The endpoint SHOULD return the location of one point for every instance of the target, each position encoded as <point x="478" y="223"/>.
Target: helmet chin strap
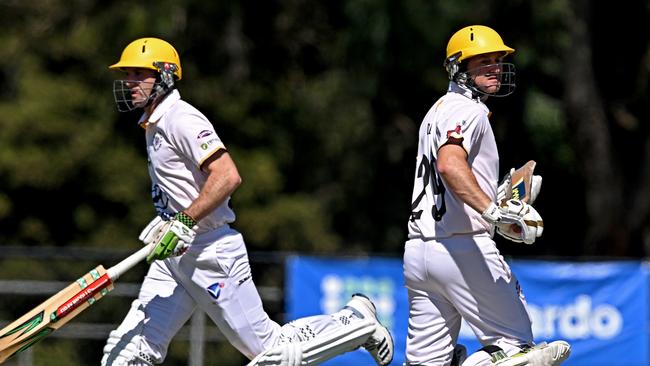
<point x="164" y="81"/>
<point x="465" y="81"/>
<point x="157" y="93"/>
<point x="452" y="65"/>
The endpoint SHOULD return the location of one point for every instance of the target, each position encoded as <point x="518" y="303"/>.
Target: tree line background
<point x="319" y="104"/>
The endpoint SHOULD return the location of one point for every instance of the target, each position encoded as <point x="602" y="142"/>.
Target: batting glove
<point x="171" y="238"/>
<point x="515" y="220"/>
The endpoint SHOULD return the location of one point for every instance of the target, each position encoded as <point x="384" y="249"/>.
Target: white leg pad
<point x="319" y="349"/>
<point x="123" y="344"/>
<point x="552" y="354"/>
<point x="341" y="340"/>
<point x="125" y="354"/>
<point x="286" y="354"/>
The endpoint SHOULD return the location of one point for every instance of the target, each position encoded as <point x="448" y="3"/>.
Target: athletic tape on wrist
<point x="185" y="219"/>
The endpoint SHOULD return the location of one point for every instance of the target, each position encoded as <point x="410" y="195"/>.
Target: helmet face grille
<point x="505" y="76"/>
<point x="122" y="94"/>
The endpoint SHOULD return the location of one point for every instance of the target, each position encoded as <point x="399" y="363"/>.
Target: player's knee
<point x="286" y="354"/>
<point x="296" y="331"/>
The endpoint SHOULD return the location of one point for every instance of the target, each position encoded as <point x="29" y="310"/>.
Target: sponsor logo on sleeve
<point x="209" y="143"/>
<point x="204" y="133"/>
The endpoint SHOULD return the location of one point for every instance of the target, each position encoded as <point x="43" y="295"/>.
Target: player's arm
<point x="223" y="179"/>
<point x="516" y="220"/>
<point x="175" y="236"/>
<point x="457" y="174"/>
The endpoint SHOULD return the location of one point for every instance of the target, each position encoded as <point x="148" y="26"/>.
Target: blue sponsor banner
<point x="324" y="286"/>
<point x="600" y="308"/>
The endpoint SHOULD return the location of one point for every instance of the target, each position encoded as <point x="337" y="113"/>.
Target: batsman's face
<point x="140" y="82"/>
<point x="485" y="70"/>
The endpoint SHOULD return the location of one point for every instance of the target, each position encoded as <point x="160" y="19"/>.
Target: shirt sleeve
<point x="464" y="131"/>
<point x="195" y="138"/>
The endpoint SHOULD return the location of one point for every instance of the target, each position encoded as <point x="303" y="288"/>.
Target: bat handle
<point x="117" y="270"/>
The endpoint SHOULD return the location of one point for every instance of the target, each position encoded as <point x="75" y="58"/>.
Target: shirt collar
<point x="454" y="87"/>
<point x="161" y="108"/>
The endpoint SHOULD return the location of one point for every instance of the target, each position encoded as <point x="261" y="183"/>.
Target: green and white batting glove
<point x="171" y="238"/>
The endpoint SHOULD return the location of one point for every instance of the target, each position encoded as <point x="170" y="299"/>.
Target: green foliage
<point x="545" y="116"/>
<point x="57" y="353"/>
<point x="319" y="104"/>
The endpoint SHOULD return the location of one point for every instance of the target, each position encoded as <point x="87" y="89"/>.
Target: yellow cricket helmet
<point x="150" y="53"/>
<point x="475" y="40"/>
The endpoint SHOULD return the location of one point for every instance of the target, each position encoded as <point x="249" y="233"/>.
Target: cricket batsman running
<point x="198" y="259"/>
<point x="452" y="267"/>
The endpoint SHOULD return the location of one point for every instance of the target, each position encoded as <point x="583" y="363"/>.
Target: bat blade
<point x="521" y="182"/>
<point x="59" y="309"/>
<point x="54" y="312"/>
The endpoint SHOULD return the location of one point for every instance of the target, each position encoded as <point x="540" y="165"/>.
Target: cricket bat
<point x="522" y="182"/>
<point x="59" y="309"/>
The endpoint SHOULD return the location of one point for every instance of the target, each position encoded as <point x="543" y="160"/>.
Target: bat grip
<point x="117" y="270"/>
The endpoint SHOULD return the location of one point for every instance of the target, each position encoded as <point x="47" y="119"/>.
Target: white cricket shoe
<point x="380" y="343"/>
<point x="543" y="354"/>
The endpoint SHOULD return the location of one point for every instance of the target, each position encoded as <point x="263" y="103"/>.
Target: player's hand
<point x="171" y="238"/>
<point x="515" y="220"/>
<point x="152" y="229"/>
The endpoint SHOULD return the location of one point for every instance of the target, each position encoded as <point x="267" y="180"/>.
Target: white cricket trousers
<point x="214" y="274"/>
<point x="461" y="276"/>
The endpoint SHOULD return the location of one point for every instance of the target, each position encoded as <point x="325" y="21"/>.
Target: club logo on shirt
<point x="157" y="141"/>
<point x="455" y="136"/>
<point x="204" y="133"/>
<point x="214" y="290"/>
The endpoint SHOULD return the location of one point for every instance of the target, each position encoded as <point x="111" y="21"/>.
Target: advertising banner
<point x="324" y="285"/>
<point x="600" y="308"/>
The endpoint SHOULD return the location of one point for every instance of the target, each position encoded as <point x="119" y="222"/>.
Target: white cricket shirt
<point x="179" y="139"/>
<point x="436" y="212"/>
